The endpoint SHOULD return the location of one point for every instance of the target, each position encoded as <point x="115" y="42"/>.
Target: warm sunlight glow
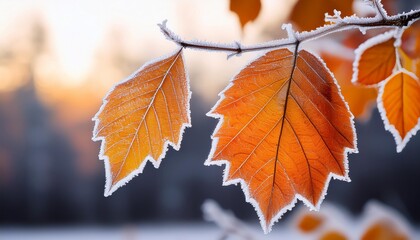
<point x="80" y="36"/>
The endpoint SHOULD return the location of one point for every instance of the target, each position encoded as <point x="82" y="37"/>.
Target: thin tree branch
<point x="379" y="8"/>
<point x="381" y="20"/>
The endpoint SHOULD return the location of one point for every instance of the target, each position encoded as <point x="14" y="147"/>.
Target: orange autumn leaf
<point x="247" y="10"/>
<point x="359" y="98"/>
<point x="384" y="230"/>
<point x="399" y="104"/>
<point x="140" y="117"/>
<point x="310" y="222"/>
<point x="375" y="60"/>
<point x="284" y="130"/>
<point x="307" y="15"/>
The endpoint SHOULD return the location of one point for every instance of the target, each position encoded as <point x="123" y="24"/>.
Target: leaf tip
<point x="110" y="186"/>
<point x="107" y="193"/>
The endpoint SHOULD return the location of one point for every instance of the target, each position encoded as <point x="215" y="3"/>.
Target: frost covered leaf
<point x="310" y="14"/>
<point x="140" y="117"/>
<point x="399" y="104"/>
<point x="375" y="60"/>
<point x="284" y="130"/>
<point x="247" y="10"/>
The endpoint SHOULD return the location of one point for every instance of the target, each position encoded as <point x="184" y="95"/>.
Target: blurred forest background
<point x="59" y="58"/>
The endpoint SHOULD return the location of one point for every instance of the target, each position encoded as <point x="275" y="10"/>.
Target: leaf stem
<point x="339" y="24"/>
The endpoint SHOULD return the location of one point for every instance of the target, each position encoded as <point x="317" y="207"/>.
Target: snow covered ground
<point x="145" y="232"/>
<point x="222" y="224"/>
<point x="192" y="231"/>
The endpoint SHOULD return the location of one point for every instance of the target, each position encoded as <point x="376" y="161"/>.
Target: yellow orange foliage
<point x="140" y="116"/>
<point x="284" y="130"/>
<point x="284" y="126"/>
<point x="400" y="106"/>
<point x="375" y="63"/>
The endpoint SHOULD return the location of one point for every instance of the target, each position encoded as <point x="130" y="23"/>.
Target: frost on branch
<point x="171" y="36"/>
<point x="336" y="18"/>
<point x="379" y="8"/>
<point x="200" y="45"/>
<point x="290" y="33"/>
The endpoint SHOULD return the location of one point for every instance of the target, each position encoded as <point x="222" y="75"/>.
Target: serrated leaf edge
<point x="267" y="227"/>
<point x="109" y="189"/>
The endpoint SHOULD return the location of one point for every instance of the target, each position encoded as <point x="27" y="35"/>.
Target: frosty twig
<point x="381" y="20"/>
